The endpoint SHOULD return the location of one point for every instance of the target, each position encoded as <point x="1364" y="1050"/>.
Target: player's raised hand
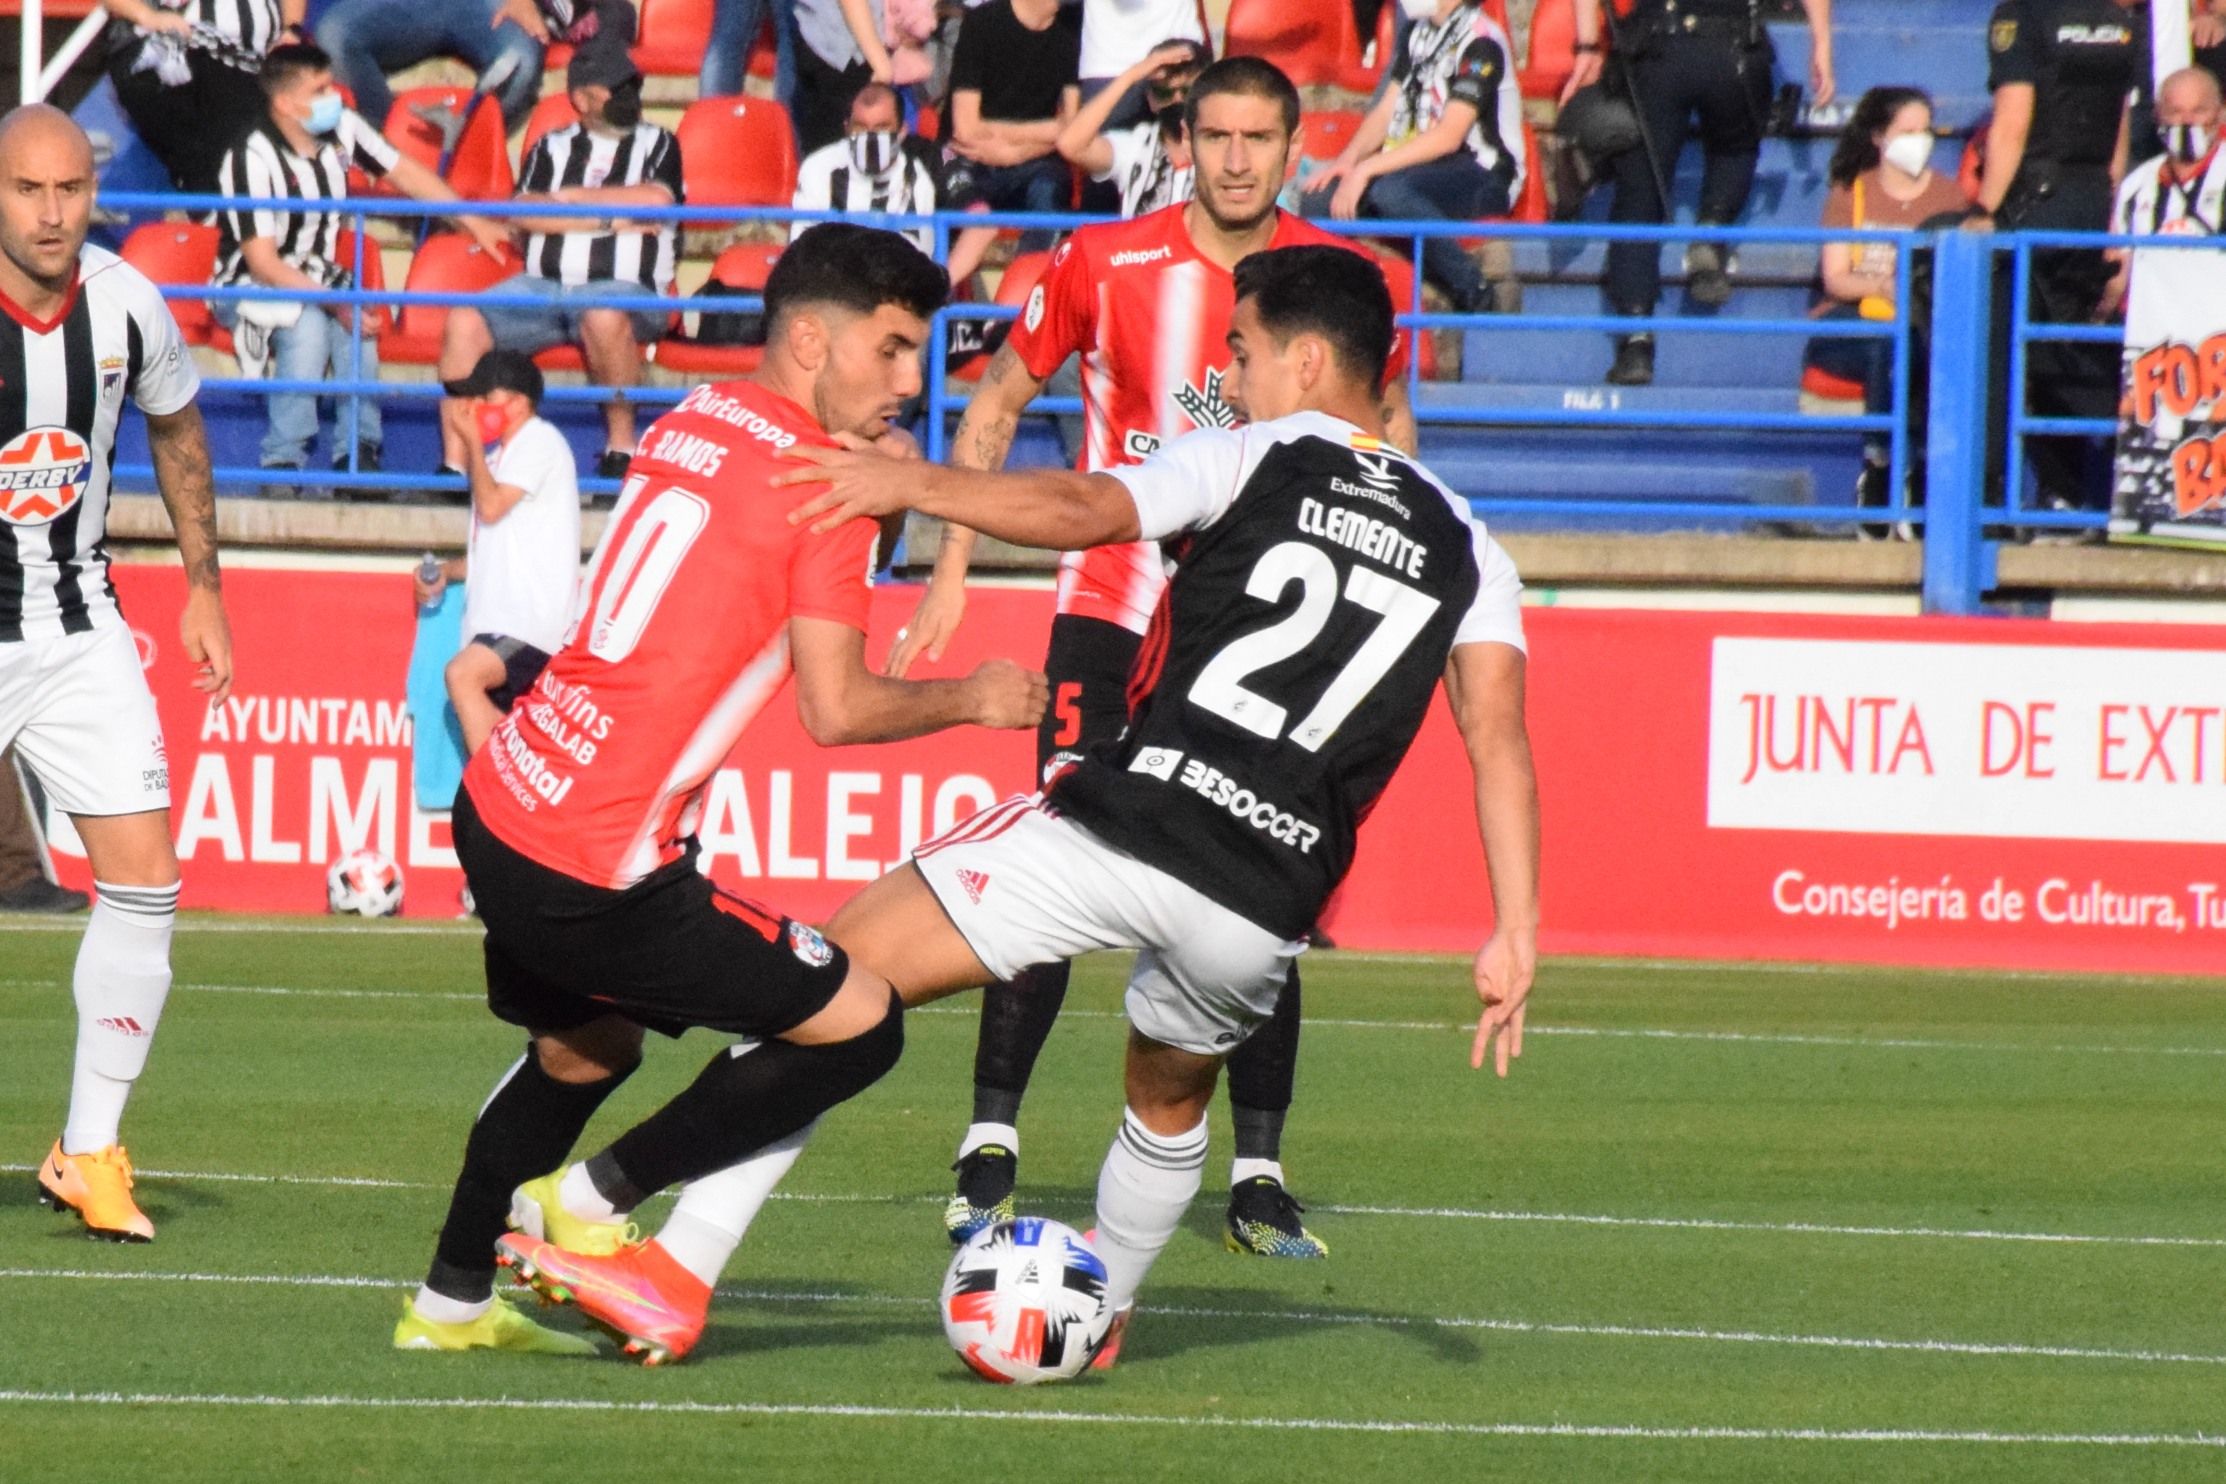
<point x="869" y="484"/>
<point x="207" y="637"/>
<point x="1008" y="695"/>
<point x="1504" y="969"/>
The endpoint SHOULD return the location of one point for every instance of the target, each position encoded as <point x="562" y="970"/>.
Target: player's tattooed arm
<point x="180" y="447"/>
<point x="1484" y="685"/>
<point x="985" y="438"/>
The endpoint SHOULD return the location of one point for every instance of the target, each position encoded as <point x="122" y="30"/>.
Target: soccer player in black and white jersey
<point x="84" y="334"/>
<point x="1324" y="585"/>
<point x="612" y="159"/>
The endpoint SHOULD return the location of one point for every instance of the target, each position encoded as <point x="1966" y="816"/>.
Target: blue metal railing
<point x="1959" y="522"/>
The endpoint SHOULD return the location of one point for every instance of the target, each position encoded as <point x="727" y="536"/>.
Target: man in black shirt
<point x="2061" y="72"/>
<point x="1324" y="585"/>
<point x="1013" y="89"/>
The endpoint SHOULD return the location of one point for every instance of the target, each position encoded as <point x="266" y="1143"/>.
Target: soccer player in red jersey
<point x="576" y="822"/>
<point x="1146" y="305"/>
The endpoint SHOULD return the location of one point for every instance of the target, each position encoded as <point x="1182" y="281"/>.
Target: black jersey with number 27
<point x="1321" y="580"/>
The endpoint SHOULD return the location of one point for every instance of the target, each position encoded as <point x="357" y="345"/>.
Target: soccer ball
<point x="1024" y="1301"/>
<point x="363" y="883"/>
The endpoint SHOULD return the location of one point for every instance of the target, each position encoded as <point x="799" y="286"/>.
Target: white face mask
<point x="2189" y="142"/>
<point x="1911" y="154"/>
<point x="1418" y="10"/>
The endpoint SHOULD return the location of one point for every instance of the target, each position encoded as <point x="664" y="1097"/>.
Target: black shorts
<point x="669" y="952"/>
<point x="1088" y="666"/>
<point x="522" y="665"/>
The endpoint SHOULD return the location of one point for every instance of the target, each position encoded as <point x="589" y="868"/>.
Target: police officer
<point x="1679" y="59"/>
<point x="2061" y="72"/>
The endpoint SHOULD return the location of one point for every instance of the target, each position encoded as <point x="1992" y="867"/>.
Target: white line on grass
<point x="1437" y="1213"/>
<point x="1633" y="1432"/>
<point x="1985" y="1349"/>
<point x="1631" y="1033"/>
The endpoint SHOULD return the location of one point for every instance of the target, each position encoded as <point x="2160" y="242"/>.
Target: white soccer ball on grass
<point x="1024" y="1301"/>
<point x="363" y="883"/>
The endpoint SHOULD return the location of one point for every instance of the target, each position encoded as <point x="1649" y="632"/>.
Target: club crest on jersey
<point x="43" y="472"/>
<point x="806" y="943"/>
<point x="1204" y="406"/>
<point x="111" y="376"/>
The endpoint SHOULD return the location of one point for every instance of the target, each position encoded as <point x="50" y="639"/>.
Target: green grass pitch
<point x="1724" y="1223"/>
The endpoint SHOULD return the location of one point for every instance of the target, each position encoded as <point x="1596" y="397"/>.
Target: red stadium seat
<point x="481" y="169"/>
<point x="549" y="115"/>
<point x="746" y="265"/>
<point x="673" y="37"/>
<point x="1021" y="276"/>
<point x="928" y="122"/>
<point x="180" y="253"/>
<point x="737" y="152"/>
<point x="1325" y="133"/>
<point x="1818" y="382"/>
<point x="1311" y="40"/>
<point x="374" y="277"/>
<point x="446" y="263"/>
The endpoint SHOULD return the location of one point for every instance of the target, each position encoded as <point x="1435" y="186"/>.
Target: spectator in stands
<point x="2061" y="74"/>
<point x="1117" y="39"/>
<point x="1149" y="160"/>
<point x="522" y="565"/>
<point x="2208" y="33"/>
<point x="1012" y="93"/>
<point x="25" y="885"/>
<point x="878" y="166"/>
<point x="188" y="82"/>
<point x="301" y="151"/>
<point x="1679" y="59"/>
<point x="370" y="38"/>
<point x="2181" y="192"/>
<point x="1443" y="143"/>
<point x="841" y="52"/>
<point x="735" y="25"/>
<point x="1882" y="177"/>
<point x="610" y="159"/>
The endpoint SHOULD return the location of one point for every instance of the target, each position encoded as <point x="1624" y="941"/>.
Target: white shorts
<point x="1027" y="887"/>
<point x="78" y="711"/>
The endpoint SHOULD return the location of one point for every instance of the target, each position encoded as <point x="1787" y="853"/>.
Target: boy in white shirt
<point x="523" y="561"/>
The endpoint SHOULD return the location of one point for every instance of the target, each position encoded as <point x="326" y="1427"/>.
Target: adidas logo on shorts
<point x="975" y="882"/>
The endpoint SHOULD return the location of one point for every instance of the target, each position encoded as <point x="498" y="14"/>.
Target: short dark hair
<point x="1333" y="292"/>
<point x="283" y="64"/>
<point x="1247" y="77"/>
<point x="857" y="268"/>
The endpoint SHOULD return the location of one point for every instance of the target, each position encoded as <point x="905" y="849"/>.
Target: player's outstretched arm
<point x="842" y="701"/>
<point x="1055" y="509"/>
<point x="1484" y="684"/>
<point x="180" y="447"/>
<point x="985" y="438"/>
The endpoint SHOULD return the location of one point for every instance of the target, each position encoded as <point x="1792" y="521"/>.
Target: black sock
<point x="525" y="1130"/>
<point x="740" y="1104"/>
<point x="1262" y="1072"/>
<point x="1016" y="1021"/>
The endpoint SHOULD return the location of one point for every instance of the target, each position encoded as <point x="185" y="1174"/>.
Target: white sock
<point x="714" y="1212"/>
<point x="978" y="1134"/>
<point x="122" y="978"/>
<point x="579" y="1196"/>
<point x="1144" y="1188"/>
<point x="1241" y="1170"/>
<point x="439" y="1308"/>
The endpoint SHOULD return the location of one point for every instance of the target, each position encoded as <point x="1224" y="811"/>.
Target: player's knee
<point x="852" y="1066"/>
<point x="604" y="1048"/>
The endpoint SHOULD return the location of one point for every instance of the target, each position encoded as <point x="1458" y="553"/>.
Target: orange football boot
<point x="97" y="1186"/>
<point x="655" y="1307"/>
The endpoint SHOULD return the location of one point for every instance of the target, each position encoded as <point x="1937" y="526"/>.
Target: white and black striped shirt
<point x="254" y="24"/>
<point x="63" y="384"/>
<point x="829" y="180"/>
<point x="577" y="156"/>
<point x="264" y="166"/>
<point x="1148" y="177"/>
<point x="2190" y="204"/>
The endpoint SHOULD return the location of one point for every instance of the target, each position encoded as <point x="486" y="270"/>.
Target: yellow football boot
<point x="502" y="1327"/>
<point x="538" y="1211"/>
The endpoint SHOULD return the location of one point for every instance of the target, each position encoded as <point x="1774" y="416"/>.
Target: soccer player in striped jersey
<point x="1146" y="305"/>
<point x="85" y="334"/>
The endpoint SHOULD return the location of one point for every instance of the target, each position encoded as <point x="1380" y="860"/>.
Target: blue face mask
<point x="324" y="113"/>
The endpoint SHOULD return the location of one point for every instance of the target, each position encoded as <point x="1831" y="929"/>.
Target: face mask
<point x="2190" y="142"/>
<point x="494" y="423"/>
<point x="324" y="113"/>
<point x="1911" y="154"/>
<point x="623" y="110"/>
<point x="1418" y="10"/>
<point x="874" y="152"/>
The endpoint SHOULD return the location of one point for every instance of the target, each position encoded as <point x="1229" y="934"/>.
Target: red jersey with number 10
<point x="680" y="639"/>
<point x="1149" y="315"/>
